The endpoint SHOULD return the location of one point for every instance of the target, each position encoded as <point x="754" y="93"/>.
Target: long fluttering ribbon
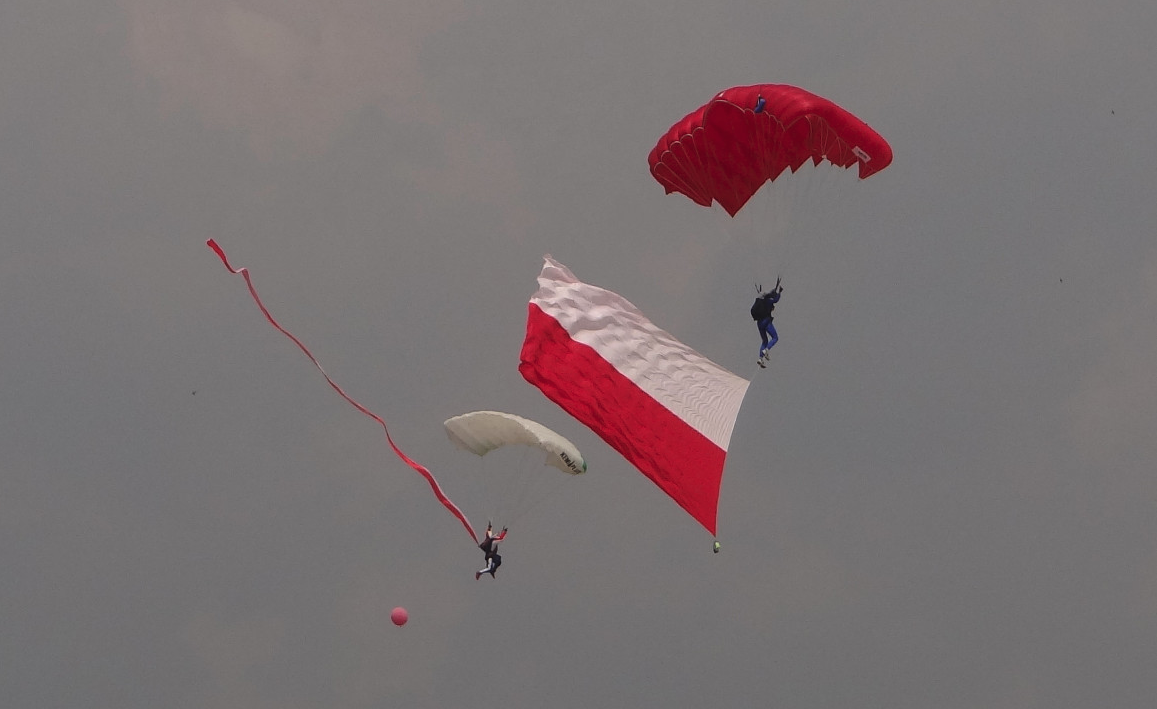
<point x="418" y="467"/>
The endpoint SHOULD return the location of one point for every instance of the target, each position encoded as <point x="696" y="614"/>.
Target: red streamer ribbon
<point x="421" y="469"/>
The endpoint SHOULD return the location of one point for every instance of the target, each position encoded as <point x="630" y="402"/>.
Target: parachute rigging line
<point x="418" y="467"/>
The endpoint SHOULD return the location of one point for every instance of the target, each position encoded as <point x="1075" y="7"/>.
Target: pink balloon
<point x="399" y="616"/>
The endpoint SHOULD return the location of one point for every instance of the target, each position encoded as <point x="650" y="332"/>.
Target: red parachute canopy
<point x="725" y="151"/>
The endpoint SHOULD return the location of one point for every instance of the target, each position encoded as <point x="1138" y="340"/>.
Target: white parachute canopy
<point x="483" y="431"/>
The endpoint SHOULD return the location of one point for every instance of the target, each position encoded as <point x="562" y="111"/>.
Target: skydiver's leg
<point x="488" y="569"/>
<point x="763" y="325"/>
<point x="773" y="334"/>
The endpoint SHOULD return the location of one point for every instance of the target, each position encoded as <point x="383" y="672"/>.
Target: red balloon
<point x="399" y="616"/>
<point x="725" y="150"/>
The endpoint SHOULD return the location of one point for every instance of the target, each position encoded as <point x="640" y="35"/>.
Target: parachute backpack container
<point x="666" y="408"/>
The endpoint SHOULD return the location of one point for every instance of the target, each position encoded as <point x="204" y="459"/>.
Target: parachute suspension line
<point x="417" y="467"/>
<point x="511" y="494"/>
<point x="783" y="220"/>
<point x="761" y="233"/>
<point x="509" y="483"/>
<point x="824" y="189"/>
<point x="535" y="484"/>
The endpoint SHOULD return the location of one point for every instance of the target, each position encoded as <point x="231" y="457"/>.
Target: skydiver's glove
<point x="504" y="530"/>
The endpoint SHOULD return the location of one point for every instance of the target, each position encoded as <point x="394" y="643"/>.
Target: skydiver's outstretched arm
<point x="491" y="536"/>
<point x="774" y="294"/>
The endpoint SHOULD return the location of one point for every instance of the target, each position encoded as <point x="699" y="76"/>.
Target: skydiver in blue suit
<point x="761" y="313"/>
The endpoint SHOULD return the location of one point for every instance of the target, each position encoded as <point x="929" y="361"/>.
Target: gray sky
<point x="941" y="494"/>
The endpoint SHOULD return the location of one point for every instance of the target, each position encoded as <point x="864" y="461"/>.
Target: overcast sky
<point x="941" y="493"/>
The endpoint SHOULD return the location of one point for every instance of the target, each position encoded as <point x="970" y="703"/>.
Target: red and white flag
<point x="666" y="408"/>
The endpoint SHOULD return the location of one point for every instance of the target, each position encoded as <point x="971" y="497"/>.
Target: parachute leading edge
<point x="666" y="408"/>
